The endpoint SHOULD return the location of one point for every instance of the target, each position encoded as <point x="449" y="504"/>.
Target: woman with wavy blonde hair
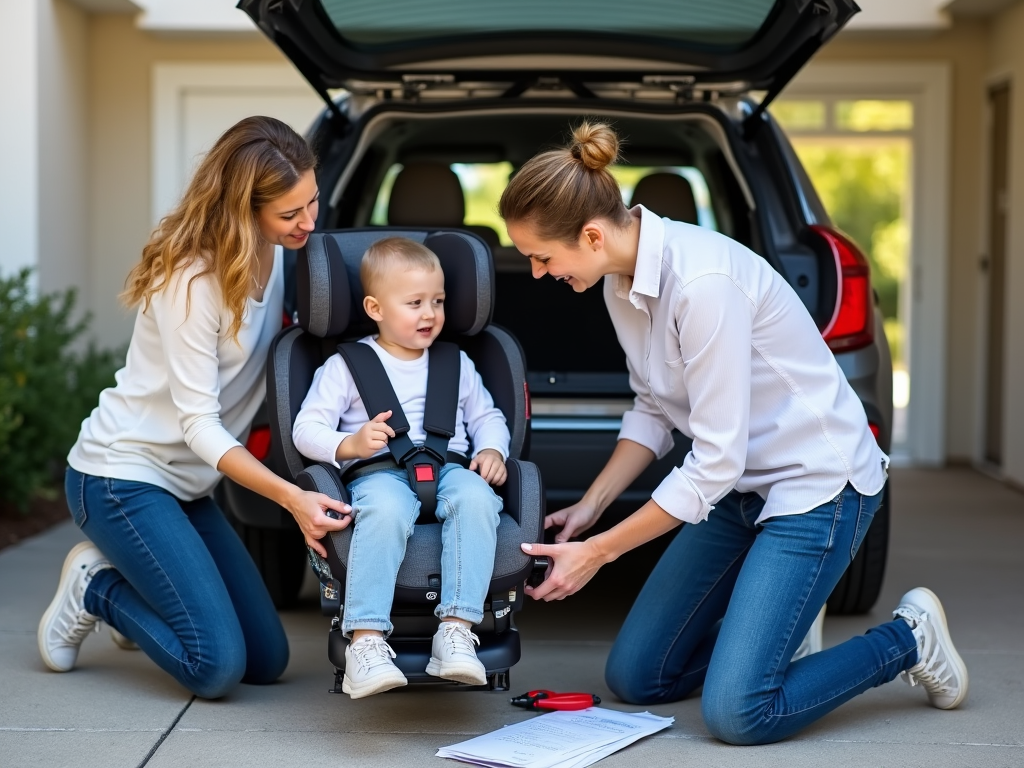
<point x="162" y="566"/>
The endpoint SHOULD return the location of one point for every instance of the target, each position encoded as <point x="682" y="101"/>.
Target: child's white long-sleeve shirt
<point x="333" y="409"/>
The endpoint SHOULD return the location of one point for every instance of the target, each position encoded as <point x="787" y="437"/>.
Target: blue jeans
<point x="183" y="585"/>
<point x="727" y="606"/>
<point x="386" y="509"/>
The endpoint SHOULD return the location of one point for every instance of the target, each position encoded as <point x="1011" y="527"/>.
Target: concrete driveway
<point x="954" y="530"/>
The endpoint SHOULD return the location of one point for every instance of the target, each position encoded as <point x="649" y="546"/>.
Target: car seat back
<point x="431" y="195"/>
<point x="668" y="195"/>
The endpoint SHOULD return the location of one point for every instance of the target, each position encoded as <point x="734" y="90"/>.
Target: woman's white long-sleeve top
<point x="188" y="392"/>
<point x="720" y="347"/>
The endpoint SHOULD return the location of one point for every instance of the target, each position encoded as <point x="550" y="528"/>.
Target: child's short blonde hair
<point x="386" y="255"/>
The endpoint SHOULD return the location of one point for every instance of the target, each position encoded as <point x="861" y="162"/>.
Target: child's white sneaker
<point x="939" y="670"/>
<point x="812" y="642"/>
<point x="66" y="623"/>
<point x="369" y="668"/>
<point x="453" y="655"/>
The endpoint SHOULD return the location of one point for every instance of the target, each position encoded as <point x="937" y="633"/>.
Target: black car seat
<point x="330" y="311"/>
<point x="667" y="194"/>
<point x="430" y="195"/>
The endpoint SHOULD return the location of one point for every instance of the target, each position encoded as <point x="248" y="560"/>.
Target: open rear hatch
<point x="729" y="46"/>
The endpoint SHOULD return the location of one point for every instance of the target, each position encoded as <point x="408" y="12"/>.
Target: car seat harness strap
<point x="422" y="461"/>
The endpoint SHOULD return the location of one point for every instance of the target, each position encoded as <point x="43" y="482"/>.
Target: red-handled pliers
<point x="552" y="700"/>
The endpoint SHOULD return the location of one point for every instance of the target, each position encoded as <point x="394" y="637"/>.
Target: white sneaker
<point x="369" y="668"/>
<point x="812" y="642"/>
<point x="123" y="642"/>
<point x="453" y="655"/>
<point x="66" y="623"/>
<point x="939" y="670"/>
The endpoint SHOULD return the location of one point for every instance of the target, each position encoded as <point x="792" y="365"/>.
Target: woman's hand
<point x="572" y="566"/>
<point x="371" y="438"/>
<point x="575" y="563"/>
<point x="310" y="512"/>
<point x="490" y="465"/>
<point x="573" y="520"/>
<point x="307" y="508"/>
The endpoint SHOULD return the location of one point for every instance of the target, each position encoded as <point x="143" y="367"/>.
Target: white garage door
<point x="194" y="104"/>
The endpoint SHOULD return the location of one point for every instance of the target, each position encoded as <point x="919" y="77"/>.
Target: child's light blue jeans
<point x="386" y="509"/>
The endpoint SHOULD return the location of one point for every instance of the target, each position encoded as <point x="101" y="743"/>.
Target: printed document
<point x="558" y="739"/>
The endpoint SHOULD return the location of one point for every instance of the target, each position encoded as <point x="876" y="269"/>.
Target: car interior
<point x="417" y="157"/>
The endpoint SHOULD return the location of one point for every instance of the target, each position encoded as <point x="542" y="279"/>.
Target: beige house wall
<point x="64" y="224"/>
<point x="1006" y="59"/>
<point x="121" y="63"/>
<point x="966" y="48"/>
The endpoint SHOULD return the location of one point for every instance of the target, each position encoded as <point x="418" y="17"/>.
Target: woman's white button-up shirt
<point x="719" y="346"/>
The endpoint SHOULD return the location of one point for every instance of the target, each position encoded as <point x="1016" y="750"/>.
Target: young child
<point x="404" y="289"/>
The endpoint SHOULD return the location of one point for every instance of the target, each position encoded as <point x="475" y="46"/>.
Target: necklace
<point x="260" y="287"/>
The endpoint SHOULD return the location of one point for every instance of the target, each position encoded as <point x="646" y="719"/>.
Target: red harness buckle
<point x="424" y="473"/>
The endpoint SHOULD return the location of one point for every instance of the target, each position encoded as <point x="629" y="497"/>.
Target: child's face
<point x="408" y="308"/>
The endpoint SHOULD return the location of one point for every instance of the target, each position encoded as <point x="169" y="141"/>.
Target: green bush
<point x="46" y="387"/>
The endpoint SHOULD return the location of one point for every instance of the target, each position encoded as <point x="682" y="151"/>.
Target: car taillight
<point x="286" y="319"/>
<point x="258" y="443"/>
<point x="875" y="429"/>
<point x="852" y="323"/>
<point x="526" y="391"/>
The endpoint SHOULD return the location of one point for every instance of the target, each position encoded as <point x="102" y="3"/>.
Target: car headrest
<point x="667" y="194"/>
<point x="426" y="195"/>
<point x="330" y="294"/>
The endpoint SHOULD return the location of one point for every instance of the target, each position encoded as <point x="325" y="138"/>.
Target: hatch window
<point x="376" y="23"/>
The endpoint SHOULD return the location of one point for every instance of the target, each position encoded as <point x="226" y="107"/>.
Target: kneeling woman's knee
<point x="628" y="679"/>
<point x="218" y="668"/>
<point x="267" y="663"/>
<point x="729" y="718"/>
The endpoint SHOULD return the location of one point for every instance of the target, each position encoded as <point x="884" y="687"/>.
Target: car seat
<point x="330" y="310"/>
<point x="668" y="195"/>
<point x="430" y="195"/>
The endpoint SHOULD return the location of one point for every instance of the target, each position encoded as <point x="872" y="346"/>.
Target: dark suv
<point x="423" y="98"/>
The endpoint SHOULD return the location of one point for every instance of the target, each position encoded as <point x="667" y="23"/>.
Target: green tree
<point x="864" y="186"/>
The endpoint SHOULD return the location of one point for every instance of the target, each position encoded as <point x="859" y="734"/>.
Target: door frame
<point x="171" y="83"/>
<point x="978" y="454"/>
<point x="928" y="85"/>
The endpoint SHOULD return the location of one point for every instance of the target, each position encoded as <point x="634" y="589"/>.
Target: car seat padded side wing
<point x="294" y="358"/>
<point x="501" y="364"/>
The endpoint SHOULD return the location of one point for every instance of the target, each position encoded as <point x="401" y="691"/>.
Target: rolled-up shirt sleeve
<point x="188" y="318"/>
<point x="315" y="432"/>
<point x="714" y="320"/>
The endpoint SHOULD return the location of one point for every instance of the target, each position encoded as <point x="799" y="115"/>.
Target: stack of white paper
<point x="559" y="739"/>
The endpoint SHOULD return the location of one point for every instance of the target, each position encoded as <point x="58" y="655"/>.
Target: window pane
<point x="381" y="22"/>
<point x="799" y="115"/>
<point x="482" y="185"/>
<point x="874" y="115"/>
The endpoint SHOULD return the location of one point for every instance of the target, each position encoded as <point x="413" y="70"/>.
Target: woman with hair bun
<point x="163" y="567"/>
<point x="779" y="488"/>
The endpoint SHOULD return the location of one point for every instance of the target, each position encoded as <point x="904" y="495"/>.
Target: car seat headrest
<point x="330" y="294"/>
<point x="667" y="194"/>
<point x="426" y="195"/>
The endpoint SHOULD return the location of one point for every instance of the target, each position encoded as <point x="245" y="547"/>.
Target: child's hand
<point x="371" y="438"/>
<point x="490" y="465"/>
